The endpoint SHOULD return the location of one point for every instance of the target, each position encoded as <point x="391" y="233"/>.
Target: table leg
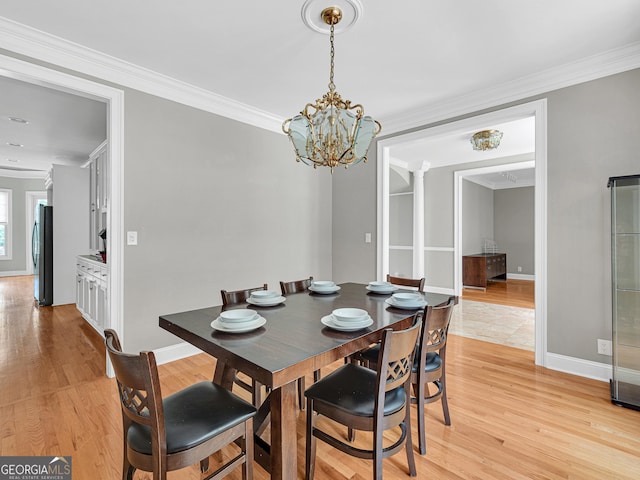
<point x="224" y="375"/>
<point x="283" y="432"/>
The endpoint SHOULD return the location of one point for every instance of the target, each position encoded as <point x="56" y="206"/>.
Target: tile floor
<point x="512" y="326"/>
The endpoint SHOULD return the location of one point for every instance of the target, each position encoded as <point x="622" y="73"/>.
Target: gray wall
<point x="477" y="217"/>
<point x="513" y="224"/>
<point x="217" y="204"/>
<point x="19" y="187"/>
<point x="578" y="255"/>
<point x="353" y="215"/>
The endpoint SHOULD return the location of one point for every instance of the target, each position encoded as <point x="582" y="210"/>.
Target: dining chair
<point x="295" y="286"/>
<point x="239" y="296"/>
<point x="162" y="435"/>
<point x="429" y="364"/>
<point x="362" y="399"/>
<point x="407" y="282"/>
<point x="232" y="298"/>
<point x="288" y="288"/>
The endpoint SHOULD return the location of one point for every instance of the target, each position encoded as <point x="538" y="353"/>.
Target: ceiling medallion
<point x="328" y="133"/>
<point x="486" y="139"/>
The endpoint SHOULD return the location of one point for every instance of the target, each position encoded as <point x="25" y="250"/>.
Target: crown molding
<point x="584" y="70"/>
<point x="42" y="46"/>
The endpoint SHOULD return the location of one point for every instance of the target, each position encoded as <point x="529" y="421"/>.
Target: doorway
<point x="452" y="251"/>
<point x="114" y="100"/>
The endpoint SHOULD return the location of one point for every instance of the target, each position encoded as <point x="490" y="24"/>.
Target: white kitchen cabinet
<point x="92" y="291"/>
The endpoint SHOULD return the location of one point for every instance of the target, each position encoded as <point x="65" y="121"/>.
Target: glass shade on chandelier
<point x="331" y="132"/>
<point x="486" y="139"/>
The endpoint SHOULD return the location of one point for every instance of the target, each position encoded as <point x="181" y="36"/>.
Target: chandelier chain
<point x="332" y="86"/>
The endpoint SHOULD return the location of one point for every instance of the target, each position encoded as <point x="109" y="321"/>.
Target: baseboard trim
<point x="16" y="273"/>
<point x="579" y="366"/>
<point x="520" y="276"/>
<point x="440" y="290"/>
<point x="175" y="352"/>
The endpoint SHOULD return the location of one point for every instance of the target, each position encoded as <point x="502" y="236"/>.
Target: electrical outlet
<point x="367" y="237"/>
<point x="604" y="347"/>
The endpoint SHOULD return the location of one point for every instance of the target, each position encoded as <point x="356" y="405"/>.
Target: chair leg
<point x="301" y="389"/>
<point x="317" y="375"/>
<point x="256" y="393"/>
<point x="247" y="468"/>
<point x="377" y="455"/>
<point x="445" y="404"/>
<point x="204" y="465"/>
<point x="128" y="473"/>
<point x="420" y="395"/>
<point x="127" y="469"/>
<point x="409" y="442"/>
<point x="310" y="451"/>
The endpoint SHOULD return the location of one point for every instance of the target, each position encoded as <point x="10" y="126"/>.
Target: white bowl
<point x="238" y="315"/>
<point x="380" y="286"/>
<point x="405" y="298"/>
<point x="262" y="294"/>
<point x="346" y="315"/>
<point x="323" y="284"/>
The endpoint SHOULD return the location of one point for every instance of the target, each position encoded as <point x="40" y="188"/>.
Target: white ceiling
<point x="62" y="128"/>
<point x="402" y="60"/>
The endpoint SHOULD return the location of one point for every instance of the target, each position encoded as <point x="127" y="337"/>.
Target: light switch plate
<point x="132" y="238"/>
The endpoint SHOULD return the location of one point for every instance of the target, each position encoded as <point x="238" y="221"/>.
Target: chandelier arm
<point x="285" y="126"/>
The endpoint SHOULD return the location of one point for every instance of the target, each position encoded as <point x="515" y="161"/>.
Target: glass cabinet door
<point x="625" y="259"/>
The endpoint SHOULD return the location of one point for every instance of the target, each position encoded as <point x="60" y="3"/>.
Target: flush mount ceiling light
<point x="486" y="139"/>
<point x="331" y="132"/>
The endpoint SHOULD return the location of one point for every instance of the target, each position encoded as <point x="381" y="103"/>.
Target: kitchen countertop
<point x="92" y="258"/>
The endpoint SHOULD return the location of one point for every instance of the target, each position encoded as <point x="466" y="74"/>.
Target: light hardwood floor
<point x="513" y="293"/>
<point x="510" y="419"/>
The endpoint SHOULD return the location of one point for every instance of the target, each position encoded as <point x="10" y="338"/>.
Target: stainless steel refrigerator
<point x="42" y="251"/>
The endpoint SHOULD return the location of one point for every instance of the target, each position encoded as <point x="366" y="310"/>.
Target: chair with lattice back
<point x="162" y="435"/>
<point x="430" y="363"/>
<point x="363" y="399"/>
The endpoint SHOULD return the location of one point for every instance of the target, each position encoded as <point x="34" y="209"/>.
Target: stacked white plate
<point x="383" y="288"/>
<point x="238" y="321"/>
<point x="324" y="286"/>
<point x="265" y="298"/>
<point x="347" y="319"/>
<point x="408" y="301"/>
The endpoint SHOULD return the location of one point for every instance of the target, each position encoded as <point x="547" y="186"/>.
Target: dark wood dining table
<point x="292" y="343"/>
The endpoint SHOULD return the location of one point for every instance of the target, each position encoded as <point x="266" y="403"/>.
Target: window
<point x="5" y="224"/>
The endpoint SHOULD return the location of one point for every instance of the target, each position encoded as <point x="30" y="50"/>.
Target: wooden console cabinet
<point x="480" y="268"/>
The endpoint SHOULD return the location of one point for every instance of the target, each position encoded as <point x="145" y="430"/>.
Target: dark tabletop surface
<point x="293" y="332"/>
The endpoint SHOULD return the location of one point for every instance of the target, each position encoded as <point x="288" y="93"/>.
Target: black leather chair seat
<point x="352" y="388"/>
<point x="192" y="416"/>
<point x="433" y="362"/>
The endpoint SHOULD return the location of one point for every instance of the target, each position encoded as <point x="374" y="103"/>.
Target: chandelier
<point x="486" y="139"/>
<point x="331" y="131"/>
